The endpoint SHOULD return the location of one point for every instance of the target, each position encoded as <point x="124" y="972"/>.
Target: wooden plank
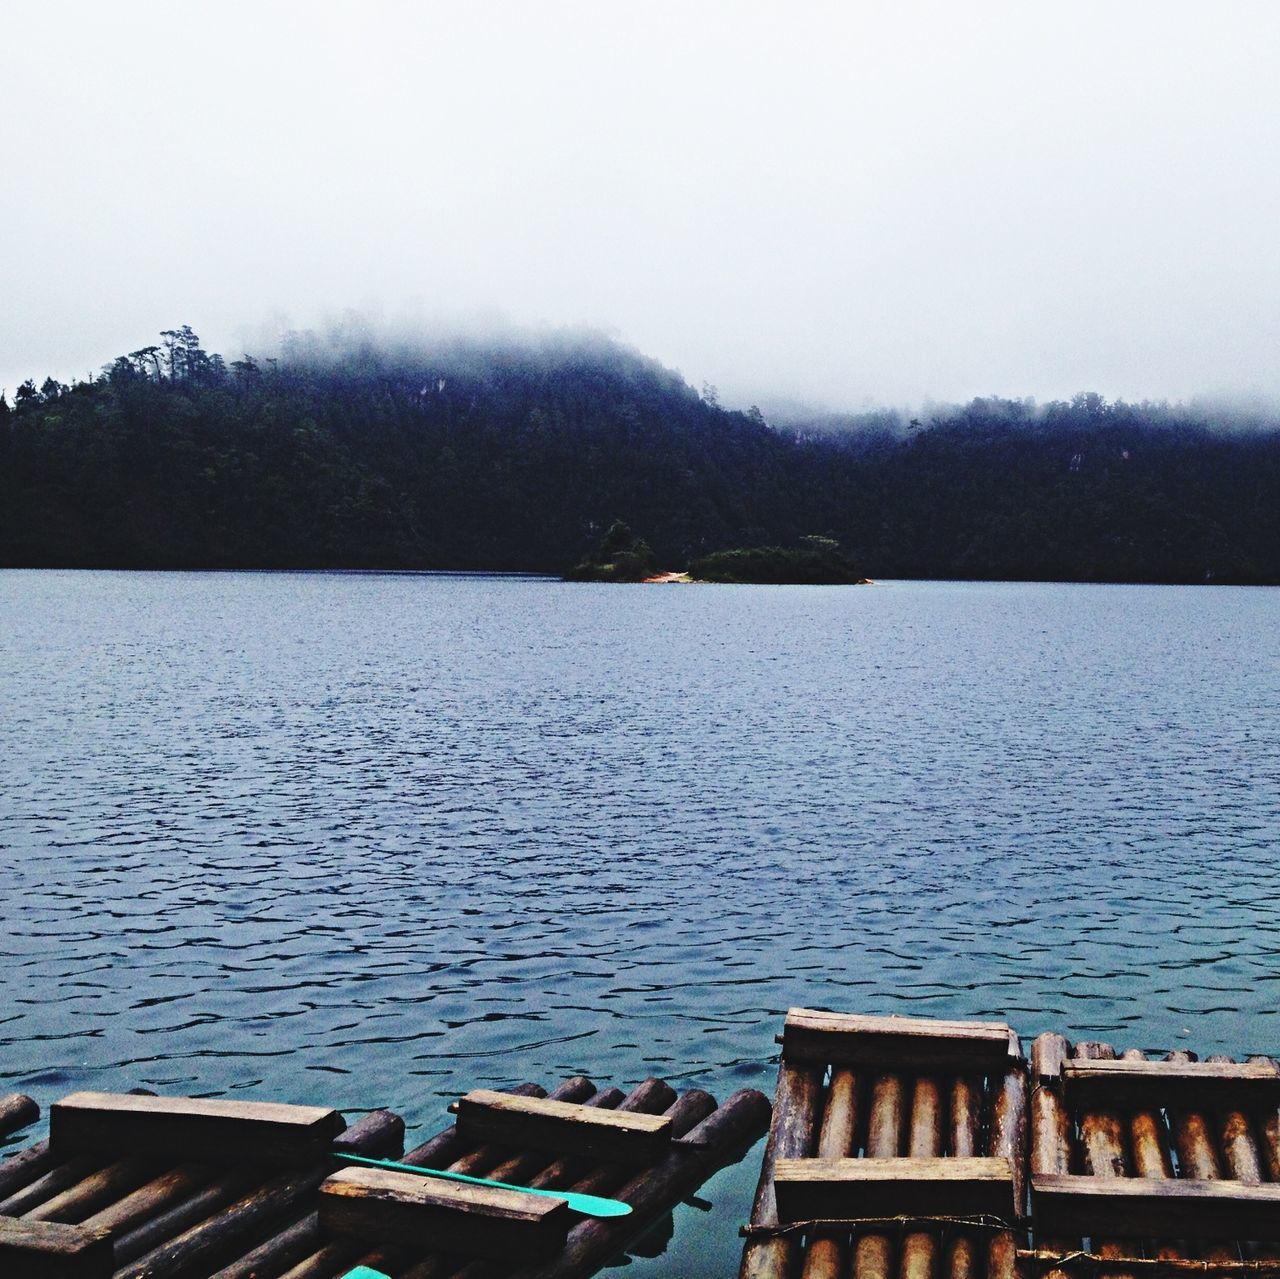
<point x="1140" y="1207"/>
<point x="853" y="1189"/>
<point x="383" y="1207"/>
<point x="1206" y="1085"/>
<point x="50" y="1250"/>
<point x="897" y="1043"/>
<point x="563" y="1127"/>
<point x="192" y="1128"/>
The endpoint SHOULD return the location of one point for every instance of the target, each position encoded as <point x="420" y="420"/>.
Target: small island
<point x="624" y="557"/>
<point x="816" y="561"/>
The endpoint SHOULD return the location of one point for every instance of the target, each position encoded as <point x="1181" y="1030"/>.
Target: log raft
<point x="965" y="1163"/>
<point x="141" y="1187"/>
<point x="898" y="1151"/>
<point x="1142" y="1165"/>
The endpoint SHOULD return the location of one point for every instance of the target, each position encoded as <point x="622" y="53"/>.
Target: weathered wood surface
<point x="1008" y="1140"/>
<point x="855" y="1189"/>
<point x="17" y="1111"/>
<point x="184" y="1128"/>
<point x="1135" y="1208"/>
<point x="382" y="1206"/>
<point x="828" y="1254"/>
<point x="562" y="1127"/>
<point x="961" y="1260"/>
<point x="897" y="1043"/>
<point x="52" y="1250"/>
<point x="1051" y="1126"/>
<point x="1206" y="1085"/>
<point x="23" y="1168"/>
<point x="793" y="1133"/>
<point x="873" y="1252"/>
<point x="919" y="1258"/>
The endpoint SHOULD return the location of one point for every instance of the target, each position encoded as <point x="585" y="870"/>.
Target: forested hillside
<point x="516" y="455"/>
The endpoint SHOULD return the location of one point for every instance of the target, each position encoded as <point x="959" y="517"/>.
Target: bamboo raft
<point x="137" y="1187"/>
<point x="902" y="1148"/>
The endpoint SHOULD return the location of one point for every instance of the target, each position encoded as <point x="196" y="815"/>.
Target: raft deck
<point x="899" y="1149"/>
<point x="135" y="1187"/>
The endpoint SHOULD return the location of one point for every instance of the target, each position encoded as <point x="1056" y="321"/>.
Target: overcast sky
<point x="841" y="203"/>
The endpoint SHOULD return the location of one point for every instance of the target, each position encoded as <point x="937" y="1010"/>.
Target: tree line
<point x="520" y="454"/>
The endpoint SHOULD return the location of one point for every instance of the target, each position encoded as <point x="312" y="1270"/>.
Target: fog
<point x="838" y="204"/>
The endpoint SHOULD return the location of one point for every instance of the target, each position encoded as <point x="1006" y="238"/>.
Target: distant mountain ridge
<point x="517" y="454"/>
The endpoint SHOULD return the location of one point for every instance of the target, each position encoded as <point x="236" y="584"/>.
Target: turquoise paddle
<point x="588" y="1205"/>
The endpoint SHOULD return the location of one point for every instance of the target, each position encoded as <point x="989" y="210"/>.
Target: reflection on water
<point x="374" y="839"/>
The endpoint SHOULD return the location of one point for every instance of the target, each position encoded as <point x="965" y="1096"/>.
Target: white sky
<point x="841" y="203"/>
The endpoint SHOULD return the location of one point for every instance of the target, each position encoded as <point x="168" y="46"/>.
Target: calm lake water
<point x="374" y="839"/>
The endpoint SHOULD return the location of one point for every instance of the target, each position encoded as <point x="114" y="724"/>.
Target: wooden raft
<point x="897" y="1151"/>
<point x="1145" y="1165"/>
<point x="135" y="1187"/>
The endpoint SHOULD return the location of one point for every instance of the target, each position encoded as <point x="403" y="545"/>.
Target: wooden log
<point x="1193" y="1137"/>
<point x="23" y="1168"/>
<point x="1152" y="1157"/>
<point x="1219" y="1083"/>
<point x="965" y="1111"/>
<point x="381" y="1206"/>
<point x="1240" y="1152"/>
<point x="1008" y="1140"/>
<point x="102" y="1187"/>
<point x="873" y="1253"/>
<point x="1269" y="1134"/>
<point x="961" y="1260"/>
<point x="379" y="1134"/>
<point x="827" y="1255"/>
<point x="563" y="1127"/>
<point x="919" y="1256"/>
<point x="1137" y="1208"/>
<point x="478" y="1159"/>
<point x="722" y="1138"/>
<point x="17" y="1110"/>
<point x="59" y="1178"/>
<point x="1198" y="1159"/>
<point x="285" y="1248"/>
<point x="52" y="1250"/>
<point x="1051" y="1125"/>
<point x="899" y="1043"/>
<point x="333" y="1259"/>
<point x="793" y="1134"/>
<point x="1102" y="1148"/>
<point x="192" y="1128"/>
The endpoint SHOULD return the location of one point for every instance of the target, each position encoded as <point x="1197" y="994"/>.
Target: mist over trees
<point x="514" y="452"/>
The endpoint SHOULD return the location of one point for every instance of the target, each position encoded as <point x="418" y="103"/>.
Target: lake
<point x="373" y="839"/>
